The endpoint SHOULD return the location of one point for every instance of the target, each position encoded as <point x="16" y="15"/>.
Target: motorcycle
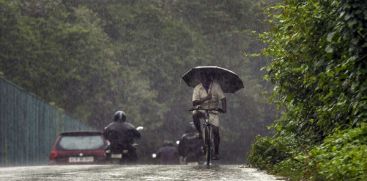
<point x="191" y="149"/>
<point x="154" y="155"/>
<point x="122" y="153"/>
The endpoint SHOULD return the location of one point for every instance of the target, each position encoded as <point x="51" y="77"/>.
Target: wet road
<point x="136" y="172"/>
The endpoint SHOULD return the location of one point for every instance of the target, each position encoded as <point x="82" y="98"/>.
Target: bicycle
<point x="207" y="133"/>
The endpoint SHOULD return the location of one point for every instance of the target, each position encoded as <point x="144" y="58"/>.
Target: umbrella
<point x="228" y="80"/>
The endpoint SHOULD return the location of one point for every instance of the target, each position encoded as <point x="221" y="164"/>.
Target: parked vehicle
<point x="80" y="147"/>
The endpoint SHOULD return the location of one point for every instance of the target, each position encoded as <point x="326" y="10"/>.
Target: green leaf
<point x="330" y="36"/>
<point x="329" y="49"/>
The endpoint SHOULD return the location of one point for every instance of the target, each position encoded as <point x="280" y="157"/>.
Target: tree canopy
<point x="92" y="58"/>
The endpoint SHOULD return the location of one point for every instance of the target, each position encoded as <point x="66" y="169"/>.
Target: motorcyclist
<point x="121" y="135"/>
<point x="168" y="154"/>
<point x="190" y="147"/>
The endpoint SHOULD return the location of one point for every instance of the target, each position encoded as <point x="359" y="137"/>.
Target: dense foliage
<point x="93" y="57"/>
<point x="319" y="70"/>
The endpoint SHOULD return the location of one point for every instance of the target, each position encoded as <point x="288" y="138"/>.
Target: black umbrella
<point x="228" y="80"/>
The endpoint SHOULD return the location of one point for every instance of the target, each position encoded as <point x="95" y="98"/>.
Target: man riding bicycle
<point x="207" y="95"/>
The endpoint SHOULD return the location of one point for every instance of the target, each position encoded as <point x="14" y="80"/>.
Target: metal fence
<point x="29" y="126"/>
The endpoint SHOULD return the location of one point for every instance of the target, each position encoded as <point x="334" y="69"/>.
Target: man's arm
<point x="136" y="133"/>
<point x="200" y="101"/>
<point x="131" y="130"/>
<point x="196" y="99"/>
<point x="105" y="131"/>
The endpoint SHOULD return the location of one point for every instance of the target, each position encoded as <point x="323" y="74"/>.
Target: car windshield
<point x="81" y="142"/>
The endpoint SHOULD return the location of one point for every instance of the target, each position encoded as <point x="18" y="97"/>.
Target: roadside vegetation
<point x="319" y="69"/>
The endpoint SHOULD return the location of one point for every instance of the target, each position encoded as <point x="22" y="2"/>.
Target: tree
<point x="319" y="52"/>
<point x="95" y="57"/>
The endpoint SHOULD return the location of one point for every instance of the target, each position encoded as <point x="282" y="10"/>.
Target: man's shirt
<point x="217" y="94"/>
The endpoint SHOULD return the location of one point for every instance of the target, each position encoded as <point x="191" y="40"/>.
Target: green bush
<point x="257" y="156"/>
<point x="343" y="156"/>
<point x="294" y="169"/>
<point x="267" y="151"/>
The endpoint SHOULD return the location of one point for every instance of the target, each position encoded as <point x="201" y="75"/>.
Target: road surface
<point x="132" y="172"/>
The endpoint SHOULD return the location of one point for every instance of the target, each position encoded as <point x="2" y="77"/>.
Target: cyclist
<point x="207" y="95"/>
<point x="121" y="134"/>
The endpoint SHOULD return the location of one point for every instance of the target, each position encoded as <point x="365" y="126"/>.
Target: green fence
<point x="29" y="126"/>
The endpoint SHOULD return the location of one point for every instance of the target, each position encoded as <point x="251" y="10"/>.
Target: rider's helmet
<point x="119" y="116"/>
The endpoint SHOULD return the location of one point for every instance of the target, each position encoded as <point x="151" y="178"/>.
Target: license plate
<point x="81" y="159"/>
<point x="116" y="155"/>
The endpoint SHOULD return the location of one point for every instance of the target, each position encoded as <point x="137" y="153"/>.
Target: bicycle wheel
<point x="208" y="145"/>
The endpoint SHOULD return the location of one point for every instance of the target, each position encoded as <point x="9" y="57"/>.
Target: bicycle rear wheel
<point x="208" y="145"/>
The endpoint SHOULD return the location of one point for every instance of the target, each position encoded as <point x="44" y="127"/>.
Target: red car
<point x="81" y="147"/>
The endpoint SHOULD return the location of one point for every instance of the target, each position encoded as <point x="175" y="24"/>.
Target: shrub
<point x="343" y="155"/>
<point x="267" y="151"/>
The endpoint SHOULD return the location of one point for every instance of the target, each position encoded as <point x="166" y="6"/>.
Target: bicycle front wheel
<point x="208" y="145"/>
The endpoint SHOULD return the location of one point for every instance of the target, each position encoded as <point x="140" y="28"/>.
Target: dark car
<point x="81" y="147"/>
